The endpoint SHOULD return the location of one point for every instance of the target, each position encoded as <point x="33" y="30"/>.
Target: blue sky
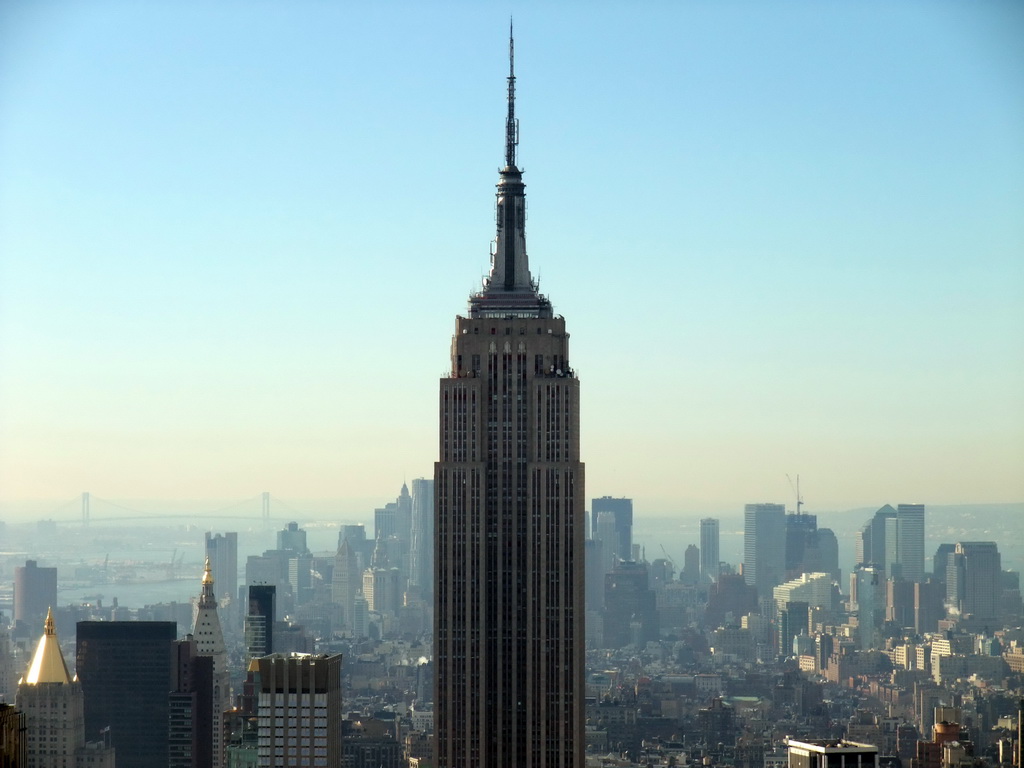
<point x="786" y="237"/>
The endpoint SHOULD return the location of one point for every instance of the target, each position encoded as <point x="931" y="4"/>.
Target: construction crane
<point x="668" y="556"/>
<point x="796" y="490"/>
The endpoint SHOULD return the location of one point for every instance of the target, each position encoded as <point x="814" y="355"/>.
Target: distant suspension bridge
<point x="257" y="508"/>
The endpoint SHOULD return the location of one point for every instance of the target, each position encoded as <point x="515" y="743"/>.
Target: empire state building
<point x="508" y="636"/>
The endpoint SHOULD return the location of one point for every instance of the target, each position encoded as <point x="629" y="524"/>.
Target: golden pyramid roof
<point x="48" y="662"/>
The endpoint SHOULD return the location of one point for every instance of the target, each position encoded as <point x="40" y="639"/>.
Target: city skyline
<point x="812" y="216"/>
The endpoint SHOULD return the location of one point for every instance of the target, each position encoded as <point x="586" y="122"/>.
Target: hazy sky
<point x="786" y="238"/>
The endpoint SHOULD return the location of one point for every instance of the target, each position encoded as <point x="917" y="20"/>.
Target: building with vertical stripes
<point x="710" y="562"/>
<point x="299" y="711"/>
<point x="764" y="547"/>
<point x="510" y="519"/>
<point x="910" y="541"/>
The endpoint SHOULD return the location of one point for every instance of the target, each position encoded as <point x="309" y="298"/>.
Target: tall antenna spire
<point x="511" y="124"/>
<point x="509" y="290"/>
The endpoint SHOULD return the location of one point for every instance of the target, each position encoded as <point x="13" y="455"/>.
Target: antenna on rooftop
<point x="511" y="124"/>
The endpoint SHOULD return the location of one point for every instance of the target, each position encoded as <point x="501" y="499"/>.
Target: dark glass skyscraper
<point x="126" y="671"/>
<point x="259" y="620"/>
<point x="192" y="711"/>
<point x="509" y="637"/>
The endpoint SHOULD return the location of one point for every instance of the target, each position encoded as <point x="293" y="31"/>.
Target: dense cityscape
<point x="702" y="662"/>
<point x="490" y="616"/>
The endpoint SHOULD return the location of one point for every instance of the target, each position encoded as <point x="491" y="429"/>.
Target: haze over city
<point x="233" y="238"/>
<point x="299" y="466"/>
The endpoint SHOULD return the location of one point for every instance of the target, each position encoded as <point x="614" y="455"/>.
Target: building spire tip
<point x="508" y="289"/>
<point x="511" y="124"/>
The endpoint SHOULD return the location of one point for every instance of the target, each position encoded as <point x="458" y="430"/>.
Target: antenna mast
<point x="511" y="124"/>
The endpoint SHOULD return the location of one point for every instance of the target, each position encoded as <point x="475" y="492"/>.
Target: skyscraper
<point x="800" y="530"/>
<point x="421" y="547"/>
<point x="222" y="550"/>
<point x="764" y="546"/>
<point x="299" y="711"/>
<point x="259" y="620"/>
<point x="382" y="584"/>
<point x="10" y="670"/>
<point x="508" y="624"/>
<point x="691" y="566"/>
<point x="871" y="545"/>
<point x="822" y="553"/>
<point x="595" y="577"/>
<point x="292" y="538"/>
<point x="54" y="716"/>
<point x="910" y="541"/>
<point x="210" y="642"/>
<point x="35" y="592"/>
<point x="191" y="715"/>
<point x="928" y="605"/>
<point x="622" y="512"/>
<point x="815" y="589"/>
<point x="709" y="550"/>
<point x="126" y="675"/>
<point x="608" y="539"/>
<point x="891" y="556"/>
<point x="899" y="602"/>
<point x="355" y="535"/>
<point x="893" y="541"/>
<point x="869" y="583"/>
<point x="810" y="549"/>
<point x="300" y="577"/>
<point x="392" y="526"/>
<point x="360" y="624"/>
<point x="974" y="589"/>
<point x="403" y="528"/>
<point x="13" y="743"/>
<point x="819" y="754"/>
<point x="630" y="611"/>
<point x="940" y="561"/>
<point x="345" y="581"/>
<point x="385" y="521"/>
